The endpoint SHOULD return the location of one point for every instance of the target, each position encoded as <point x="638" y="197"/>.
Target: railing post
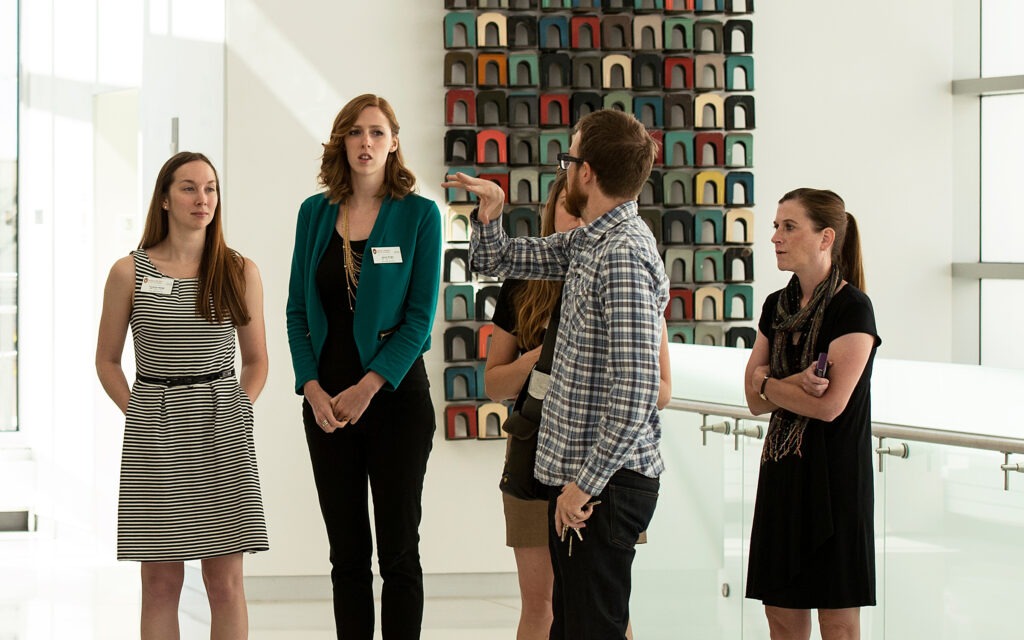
<point x="722" y="427"/>
<point x="750" y="431"/>
<point x="900" y="450"/>
<point x="1007" y="468"/>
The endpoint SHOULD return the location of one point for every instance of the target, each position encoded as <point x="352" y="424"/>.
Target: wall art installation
<point x="518" y="74"/>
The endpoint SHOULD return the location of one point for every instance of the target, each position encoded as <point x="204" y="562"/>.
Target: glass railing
<point x="949" y="517"/>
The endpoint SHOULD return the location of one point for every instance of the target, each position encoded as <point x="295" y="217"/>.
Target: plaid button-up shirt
<point x="600" y="412"/>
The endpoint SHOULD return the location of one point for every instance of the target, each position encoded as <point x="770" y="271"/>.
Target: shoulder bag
<point x="522" y="424"/>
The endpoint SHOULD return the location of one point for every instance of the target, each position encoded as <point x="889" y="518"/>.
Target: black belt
<point x="182" y="381"/>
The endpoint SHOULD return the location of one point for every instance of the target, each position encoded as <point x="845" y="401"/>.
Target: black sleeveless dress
<point x="812" y="543"/>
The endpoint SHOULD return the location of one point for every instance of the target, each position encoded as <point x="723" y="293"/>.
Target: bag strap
<point x="547" y="351"/>
<point x="526" y="404"/>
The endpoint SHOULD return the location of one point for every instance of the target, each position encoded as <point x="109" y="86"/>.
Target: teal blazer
<point x="395" y="303"/>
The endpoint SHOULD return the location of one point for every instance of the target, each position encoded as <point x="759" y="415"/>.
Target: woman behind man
<point x="520" y="317"/>
<point x="189" y="483"/>
<point x="812" y="540"/>
<point x="361" y="301"/>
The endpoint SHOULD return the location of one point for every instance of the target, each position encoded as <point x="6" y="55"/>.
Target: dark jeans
<point x="591" y="594"/>
<point x="389" y="446"/>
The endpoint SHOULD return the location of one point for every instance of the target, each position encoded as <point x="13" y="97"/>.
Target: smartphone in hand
<point x="821" y="367"/>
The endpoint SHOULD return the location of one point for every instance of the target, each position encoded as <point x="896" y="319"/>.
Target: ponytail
<point x="850" y="260"/>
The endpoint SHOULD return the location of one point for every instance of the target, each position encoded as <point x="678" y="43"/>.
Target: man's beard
<point x="575" y="199"/>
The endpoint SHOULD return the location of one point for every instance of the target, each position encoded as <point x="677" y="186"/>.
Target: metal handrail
<point x="878" y="429"/>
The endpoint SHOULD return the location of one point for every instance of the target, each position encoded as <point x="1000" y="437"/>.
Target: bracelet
<point x="764" y="383"/>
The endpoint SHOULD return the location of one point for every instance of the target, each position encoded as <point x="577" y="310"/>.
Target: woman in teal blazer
<point x="361" y="300"/>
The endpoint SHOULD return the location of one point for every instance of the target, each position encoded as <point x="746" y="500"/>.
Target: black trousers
<point x="592" y="586"/>
<point x="388" y="447"/>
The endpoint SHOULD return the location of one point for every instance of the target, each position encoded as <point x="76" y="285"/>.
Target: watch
<point x="764" y="383"/>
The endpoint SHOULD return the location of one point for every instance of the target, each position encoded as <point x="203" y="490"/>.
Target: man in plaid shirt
<point x="599" y="436"/>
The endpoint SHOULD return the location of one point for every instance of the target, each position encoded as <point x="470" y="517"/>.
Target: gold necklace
<point x="353" y="261"/>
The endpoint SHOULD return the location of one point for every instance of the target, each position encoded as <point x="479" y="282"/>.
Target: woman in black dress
<point x="812" y="540"/>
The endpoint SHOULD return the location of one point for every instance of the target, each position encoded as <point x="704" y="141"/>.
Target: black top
<point x="812" y="541"/>
<point x="504" y="315"/>
<point x="340" y="366"/>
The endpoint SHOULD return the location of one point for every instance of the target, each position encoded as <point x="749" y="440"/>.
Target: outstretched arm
<point x="490" y="196"/>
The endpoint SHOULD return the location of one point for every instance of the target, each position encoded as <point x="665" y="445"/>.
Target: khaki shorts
<point x="526" y="522"/>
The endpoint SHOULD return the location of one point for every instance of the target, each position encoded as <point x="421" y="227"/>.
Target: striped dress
<point x="189" y="484"/>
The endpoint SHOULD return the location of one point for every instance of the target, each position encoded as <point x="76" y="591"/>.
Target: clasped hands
<point x="337" y="412"/>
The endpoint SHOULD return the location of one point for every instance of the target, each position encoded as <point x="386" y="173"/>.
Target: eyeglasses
<point x="564" y="160"/>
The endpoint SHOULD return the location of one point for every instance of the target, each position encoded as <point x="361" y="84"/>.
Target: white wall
<point x="837" y="107"/>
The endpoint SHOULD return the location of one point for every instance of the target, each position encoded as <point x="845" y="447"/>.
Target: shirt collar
<point x="610" y="219"/>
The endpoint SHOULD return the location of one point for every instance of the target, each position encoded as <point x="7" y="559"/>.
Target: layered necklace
<point x="353" y="261"/>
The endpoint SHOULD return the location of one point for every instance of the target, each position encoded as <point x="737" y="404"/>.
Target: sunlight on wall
<point x="74" y="40"/>
<point x="119" y="42"/>
<point x="199" y="20"/>
<point x="98" y="93"/>
<point x="302" y="86"/>
<point x="159" y="17"/>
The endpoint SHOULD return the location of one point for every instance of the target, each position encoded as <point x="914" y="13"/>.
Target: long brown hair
<point x="826" y="209"/>
<point x="335" y="173"/>
<point x="535" y="299"/>
<point x="221" y="277"/>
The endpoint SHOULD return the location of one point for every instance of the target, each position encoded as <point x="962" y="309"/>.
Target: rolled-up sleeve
<point x="493" y="253"/>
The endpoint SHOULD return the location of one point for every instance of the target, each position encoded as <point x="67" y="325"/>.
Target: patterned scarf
<point x="799" y="326"/>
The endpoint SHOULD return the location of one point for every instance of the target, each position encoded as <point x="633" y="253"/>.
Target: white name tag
<point x="386" y="255"/>
<point x="163" y="286"/>
<point x="539" y="384"/>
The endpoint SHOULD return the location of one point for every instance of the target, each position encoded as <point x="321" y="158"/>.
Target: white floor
<point x="59" y="591"/>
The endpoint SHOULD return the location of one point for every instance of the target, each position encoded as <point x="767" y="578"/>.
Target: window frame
<point x="968" y="274"/>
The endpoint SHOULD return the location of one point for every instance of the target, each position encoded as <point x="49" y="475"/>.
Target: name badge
<point x="163" y="286"/>
<point x="386" y="255"/>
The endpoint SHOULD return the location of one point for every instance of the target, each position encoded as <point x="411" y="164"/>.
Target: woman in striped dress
<point x="189" y="484"/>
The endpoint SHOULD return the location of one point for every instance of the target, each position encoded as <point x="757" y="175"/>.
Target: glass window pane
<point x="1002" y="48"/>
<point x="1002" y="306"/>
<point x="8" y="214"/>
<point x="1002" y="209"/>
